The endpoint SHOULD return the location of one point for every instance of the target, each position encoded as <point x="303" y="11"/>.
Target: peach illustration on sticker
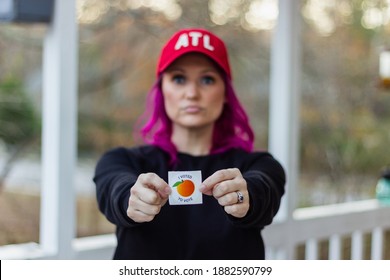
<point x="185" y="187"/>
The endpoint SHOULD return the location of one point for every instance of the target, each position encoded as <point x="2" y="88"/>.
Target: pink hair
<point x="232" y="129"/>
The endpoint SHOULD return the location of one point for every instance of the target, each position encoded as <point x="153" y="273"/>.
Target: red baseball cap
<point x="194" y="40"/>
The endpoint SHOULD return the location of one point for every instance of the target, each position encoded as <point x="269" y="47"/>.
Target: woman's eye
<point x="208" y="80"/>
<point x="178" y="79"/>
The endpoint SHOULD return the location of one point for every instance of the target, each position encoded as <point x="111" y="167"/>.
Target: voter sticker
<point x="185" y="187"/>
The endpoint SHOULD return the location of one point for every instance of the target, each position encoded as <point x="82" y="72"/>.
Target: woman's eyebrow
<point x="182" y="70"/>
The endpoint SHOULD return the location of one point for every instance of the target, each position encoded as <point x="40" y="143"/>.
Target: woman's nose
<point x="192" y="90"/>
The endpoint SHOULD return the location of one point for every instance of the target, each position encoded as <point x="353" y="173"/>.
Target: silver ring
<point x="240" y="197"/>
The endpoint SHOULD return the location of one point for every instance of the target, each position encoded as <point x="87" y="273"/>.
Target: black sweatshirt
<point x="203" y="231"/>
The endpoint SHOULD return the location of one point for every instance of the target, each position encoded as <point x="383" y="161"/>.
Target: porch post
<point x="285" y="97"/>
<point x="59" y="126"/>
<point x="284" y="100"/>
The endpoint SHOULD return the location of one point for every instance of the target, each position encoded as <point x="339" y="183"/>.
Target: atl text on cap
<point x="193" y="38"/>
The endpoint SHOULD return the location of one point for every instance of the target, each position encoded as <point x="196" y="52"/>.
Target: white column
<point x="311" y="250"/>
<point x="59" y="132"/>
<point x="357" y="245"/>
<point x="335" y="246"/>
<point x="377" y="244"/>
<point x="285" y="98"/>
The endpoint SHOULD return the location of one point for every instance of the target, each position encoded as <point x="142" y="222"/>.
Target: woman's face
<point x="194" y="91"/>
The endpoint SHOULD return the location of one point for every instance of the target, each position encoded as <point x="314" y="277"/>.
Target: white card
<point x="185" y="187"/>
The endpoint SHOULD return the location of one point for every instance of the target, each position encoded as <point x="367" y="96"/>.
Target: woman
<point x="195" y="122"/>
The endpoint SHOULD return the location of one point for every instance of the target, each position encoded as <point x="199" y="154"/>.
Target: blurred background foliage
<point x="345" y="115"/>
<point x="19" y="126"/>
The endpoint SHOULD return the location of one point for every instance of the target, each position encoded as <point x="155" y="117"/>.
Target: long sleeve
<point x="265" y="179"/>
<point x="114" y="176"/>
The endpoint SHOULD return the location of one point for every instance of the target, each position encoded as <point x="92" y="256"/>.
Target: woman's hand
<point x="147" y="196"/>
<point x="230" y="189"/>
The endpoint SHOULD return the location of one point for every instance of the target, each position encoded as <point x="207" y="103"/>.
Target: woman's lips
<point x="192" y="109"/>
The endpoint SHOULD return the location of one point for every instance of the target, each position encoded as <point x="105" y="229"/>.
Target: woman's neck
<point x="195" y="142"/>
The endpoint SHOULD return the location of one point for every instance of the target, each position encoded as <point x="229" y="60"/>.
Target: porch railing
<point x="353" y="230"/>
